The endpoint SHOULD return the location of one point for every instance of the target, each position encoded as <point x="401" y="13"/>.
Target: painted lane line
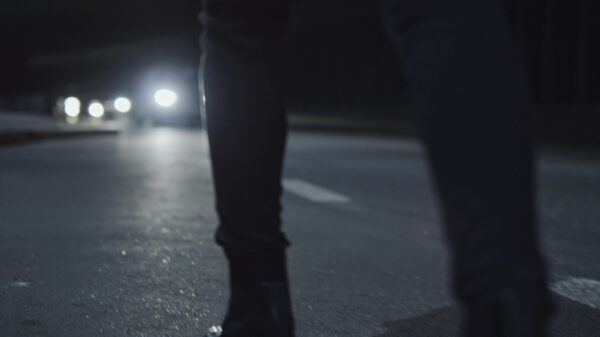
<point x="313" y="192"/>
<point x="17" y="284"/>
<point x="584" y="291"/>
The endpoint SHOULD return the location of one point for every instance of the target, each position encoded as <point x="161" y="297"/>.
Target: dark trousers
<point x="469" y="92"/>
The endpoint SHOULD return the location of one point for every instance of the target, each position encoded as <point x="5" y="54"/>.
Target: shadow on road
<point x="438" y="322"/>
<point x="571" y="319"/>
<point x="574" y="319"/>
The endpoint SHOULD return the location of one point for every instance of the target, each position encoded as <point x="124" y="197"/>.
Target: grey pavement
<point x="113" y="236"/>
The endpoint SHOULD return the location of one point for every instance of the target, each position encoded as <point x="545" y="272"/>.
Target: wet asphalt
<point x="113" y="236"/>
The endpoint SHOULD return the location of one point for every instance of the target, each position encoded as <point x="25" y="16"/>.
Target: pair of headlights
<point x="72" y="105"/>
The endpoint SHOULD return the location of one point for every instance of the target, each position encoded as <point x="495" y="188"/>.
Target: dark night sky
<point x="39" y="33"/>
<point x="561" y="39"/>
<point x="75" y="34"/>
<point x="67" y="24"/>
<point x="70" y="24"/>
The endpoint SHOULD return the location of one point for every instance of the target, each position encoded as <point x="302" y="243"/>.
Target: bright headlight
<point x="96" y="109"/>
<point x="165" y="97"/>
<point x="122" y="104"/>
<point x="72" y="106"/>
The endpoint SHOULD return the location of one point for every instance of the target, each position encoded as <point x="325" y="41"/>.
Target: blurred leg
<point x="247" y="132"/>
<point x="470" y="94"/>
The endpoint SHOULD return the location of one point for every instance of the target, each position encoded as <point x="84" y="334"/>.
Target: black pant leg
<point x="469" y="92"/>
<point x="245" y="118"/>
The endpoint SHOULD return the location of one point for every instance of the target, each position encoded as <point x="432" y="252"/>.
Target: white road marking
<point x="313" y="192"/>
<point x="21" y="284"/>
<point x="584" y="291"/>
<point x="18" y="284"/>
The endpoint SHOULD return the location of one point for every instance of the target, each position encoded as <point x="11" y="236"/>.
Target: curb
<point x="17" y="137"/>
<point x="353" y="126"/>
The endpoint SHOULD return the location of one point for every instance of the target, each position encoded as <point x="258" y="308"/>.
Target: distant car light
<point x="96" y="109"/>
<point x="72" y="106"/>
<point x="165" y="97"/>
<point x="122" y="105"/>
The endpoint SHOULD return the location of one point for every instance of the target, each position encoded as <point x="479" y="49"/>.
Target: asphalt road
<point x="112" y="236"/>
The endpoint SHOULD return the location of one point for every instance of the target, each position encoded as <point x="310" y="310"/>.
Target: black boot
<point x="259" y="303"/>
<point x="509" y="313"/>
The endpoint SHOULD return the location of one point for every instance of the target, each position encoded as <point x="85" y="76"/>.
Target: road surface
<point x="112" y="236"/>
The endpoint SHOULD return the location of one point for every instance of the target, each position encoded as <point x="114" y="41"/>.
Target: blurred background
<point x="99" y="51"/>
<point x="113" y="235"/>
<point x="338" y="60"/>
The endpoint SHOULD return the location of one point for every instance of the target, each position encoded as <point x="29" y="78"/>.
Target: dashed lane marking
<point x="584" y="291"/>
<point x="313" y="192"/>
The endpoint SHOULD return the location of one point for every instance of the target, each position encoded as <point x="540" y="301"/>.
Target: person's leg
<point x="469" y="92"/>
<point x="247" y="131"/>
<point x="245" y="118"/>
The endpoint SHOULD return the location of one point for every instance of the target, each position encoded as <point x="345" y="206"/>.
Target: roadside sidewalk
<point x="16" y="128"/>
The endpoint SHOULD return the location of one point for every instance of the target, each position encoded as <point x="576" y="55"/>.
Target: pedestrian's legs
<point x="247" y="132"/>
<point x="469" y="91"/>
